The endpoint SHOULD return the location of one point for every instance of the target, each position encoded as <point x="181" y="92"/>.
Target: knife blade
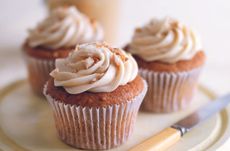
<point x="174" y="133"/>
<point x="201" y="114"/>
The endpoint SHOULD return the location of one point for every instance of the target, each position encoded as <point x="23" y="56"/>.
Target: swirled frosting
<point x="65" y="27"/>
<point x="94" y="67"/>
<point x="165" y="40"/>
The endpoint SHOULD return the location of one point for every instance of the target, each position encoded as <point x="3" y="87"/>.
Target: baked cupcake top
<point x="166" y="40"/>
<point x="94" y="67"/>
<point x="64" y="28"/>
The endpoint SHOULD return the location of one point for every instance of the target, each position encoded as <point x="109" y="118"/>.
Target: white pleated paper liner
<point x="95" y="128"/>
<point x="38" y="72"/>
<point x="169" y="92"/>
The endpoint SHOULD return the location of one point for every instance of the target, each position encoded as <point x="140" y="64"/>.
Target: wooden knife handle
<point x="160" y="141"/>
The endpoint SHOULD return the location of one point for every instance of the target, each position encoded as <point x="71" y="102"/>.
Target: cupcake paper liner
<point x="168" y="92"/>
<point x="95" y="127"/>
<point x="38" y="72"/>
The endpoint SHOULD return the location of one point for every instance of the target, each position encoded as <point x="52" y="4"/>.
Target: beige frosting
<point x="65" y="27"/>
<point x="94" y="67"/>
<point x="165" y="40"/>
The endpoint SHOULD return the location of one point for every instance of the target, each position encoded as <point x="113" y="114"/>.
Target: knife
<point x="169" y="136"/>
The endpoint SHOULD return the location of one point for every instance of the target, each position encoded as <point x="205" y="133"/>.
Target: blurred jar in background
<point x="105" y="11"/>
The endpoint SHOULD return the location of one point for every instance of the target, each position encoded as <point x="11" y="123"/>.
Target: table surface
<point x="210" y="18"/>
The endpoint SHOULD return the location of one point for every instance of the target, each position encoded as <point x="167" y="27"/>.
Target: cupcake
<point x="54" y="38"/>
<point x="170" y="57"/>
<point x="95" y="94"/>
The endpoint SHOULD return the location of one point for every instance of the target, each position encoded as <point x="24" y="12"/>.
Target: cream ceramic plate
<point x="26" y="123"/>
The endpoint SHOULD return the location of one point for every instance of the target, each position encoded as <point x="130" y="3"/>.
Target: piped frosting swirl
<point x="166" y="40"/>
<point x="65" y="27"/>
<point x="94" y="67"/>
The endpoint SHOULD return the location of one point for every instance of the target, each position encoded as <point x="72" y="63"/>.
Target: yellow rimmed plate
<point x="26" y="123"/>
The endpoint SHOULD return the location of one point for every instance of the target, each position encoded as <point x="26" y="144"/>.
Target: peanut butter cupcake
<point x="95" y="94"/>
<point x="54" y="38"/>
<point x="170" y="58"/>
